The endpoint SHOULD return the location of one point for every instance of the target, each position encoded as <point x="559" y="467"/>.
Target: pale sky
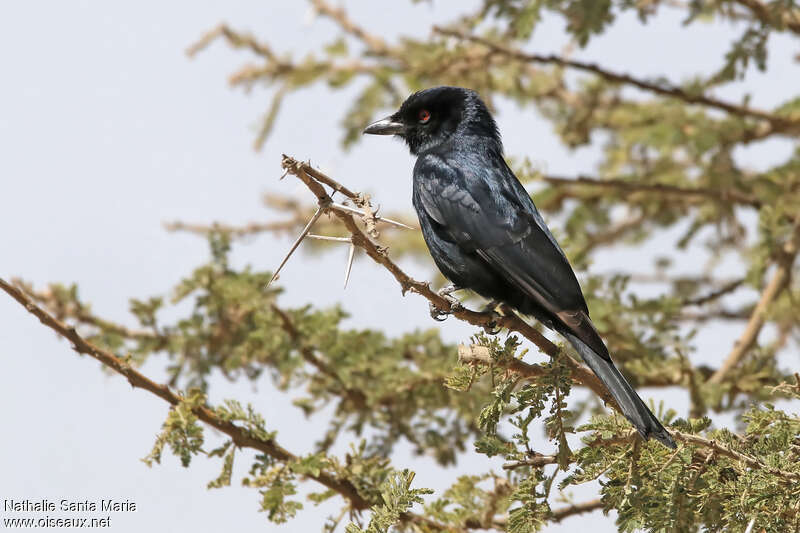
<point x="108" y="130"/>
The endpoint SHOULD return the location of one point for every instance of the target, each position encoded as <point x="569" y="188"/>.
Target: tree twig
<point x="376" y="44"/>
<point x="777" y="123"/>
<point x="725" y="195"/>
<point x="720" y="449"/>
<point x="779" y="281"/>
<point x="715" y="294"/>
<point x="576" y="508"/>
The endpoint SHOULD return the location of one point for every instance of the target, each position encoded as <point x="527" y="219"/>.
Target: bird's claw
<point x="441" y="315"/>
<point x="492" y="328"/>
<point x="436" y="313"/>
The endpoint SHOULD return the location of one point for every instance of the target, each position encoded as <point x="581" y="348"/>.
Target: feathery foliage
<point x="669" y="163"/>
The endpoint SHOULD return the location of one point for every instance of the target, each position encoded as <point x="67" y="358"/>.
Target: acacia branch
<point x="714" y="447"/>
<point x="251" y="228"/>
<point x="719" y="449"/>
<point x="309" y="355"/>
<point x="480" y="354"/>
<point x="718" y="195"/>
<point x="611" y="235"/>
<point x="76" y="310"/>
<point x="240" y="436"/>
<point x="777" y="123"/>
<point x="537" y="461"/>
<point x="235" y="39"/>
<point x="715" y="294"/>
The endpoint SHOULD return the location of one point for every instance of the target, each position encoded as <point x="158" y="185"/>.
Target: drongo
<point x="485" y="234"/>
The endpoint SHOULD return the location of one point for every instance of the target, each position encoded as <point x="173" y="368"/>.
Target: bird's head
<point x="429" y="118"/>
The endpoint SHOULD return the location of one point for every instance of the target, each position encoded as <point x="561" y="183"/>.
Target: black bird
<point x="485" y="234"/>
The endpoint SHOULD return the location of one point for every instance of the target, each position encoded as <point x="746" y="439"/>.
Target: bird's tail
<point x="629" y="402"/>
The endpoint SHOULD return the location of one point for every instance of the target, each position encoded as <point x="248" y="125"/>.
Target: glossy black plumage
<point x="485" y="234"/>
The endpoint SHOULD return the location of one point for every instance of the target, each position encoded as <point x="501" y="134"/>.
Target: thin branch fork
<point x="326" y="204"/>
<point x="582" y="375"/>
<point x="777" y="123"/>
<point x="236" y="40"/>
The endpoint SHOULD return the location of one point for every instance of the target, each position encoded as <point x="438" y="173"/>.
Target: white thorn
<point x="296" y="244"/>
<point x="361" y="213"/>
<point x="349" y="263"/>
<point x="394" y="222"/>
<point x="327" y="238"/>
<point x="347" y="209"/>
<point x="750" y="526"/>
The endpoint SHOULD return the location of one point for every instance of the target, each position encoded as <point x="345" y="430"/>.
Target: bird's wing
<point x="484" y="209"/>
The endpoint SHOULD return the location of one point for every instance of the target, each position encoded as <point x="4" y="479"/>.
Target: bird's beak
<point x="386" y="126"/>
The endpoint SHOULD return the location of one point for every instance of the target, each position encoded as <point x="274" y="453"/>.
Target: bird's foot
<point x="492" y="328"/>
<point x="445" y="292"/>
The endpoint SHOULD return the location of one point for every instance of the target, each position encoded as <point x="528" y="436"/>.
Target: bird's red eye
<point x="424" y="115"/>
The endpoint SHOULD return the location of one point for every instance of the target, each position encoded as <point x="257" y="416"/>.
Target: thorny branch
<point x="251" y="228"/>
